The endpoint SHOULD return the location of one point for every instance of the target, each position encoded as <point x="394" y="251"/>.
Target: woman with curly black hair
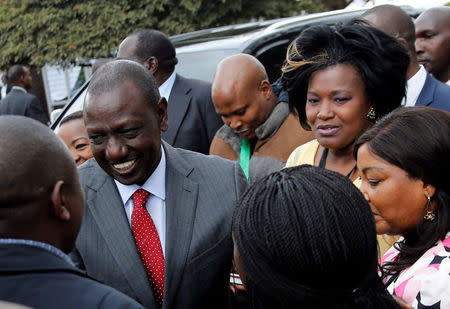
<point x="340" y="80"/>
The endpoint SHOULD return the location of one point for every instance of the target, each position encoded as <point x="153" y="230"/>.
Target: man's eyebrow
<point x="233" y="111"/>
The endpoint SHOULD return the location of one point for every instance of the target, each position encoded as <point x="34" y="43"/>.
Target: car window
<point x="272" y="57"/>
<point x="77" y="105"/>
<point x="201" y="64"/>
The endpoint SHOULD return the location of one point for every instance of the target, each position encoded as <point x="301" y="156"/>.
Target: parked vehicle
<point x="199" y="52"/>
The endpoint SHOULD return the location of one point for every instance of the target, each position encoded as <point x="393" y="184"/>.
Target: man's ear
<point x="59" y="201"/>
<point x="403" y="41"/>
<point x="151" y="64"/>
<point x="265" y="88"/>
<point x="22" y="79"/>
<point x="161" y="110"/>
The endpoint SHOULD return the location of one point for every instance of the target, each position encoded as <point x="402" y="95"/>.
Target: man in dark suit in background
<point x="193" y="121"/>
<point x="433" y="42"/>
<point x="157" y="223"/>
<point x="6" y="88"/>
<point x="19" y="101"/>
<point x="422" y="89"/>
<point x="41" y="208"/>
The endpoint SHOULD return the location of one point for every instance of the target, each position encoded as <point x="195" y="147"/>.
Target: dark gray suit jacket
<point x="201" y="194"/>
<point x="37" y="278"/>
<point x="25" y="104"/>
<point x="193" y="120"/>
<point x="434" y="94"/>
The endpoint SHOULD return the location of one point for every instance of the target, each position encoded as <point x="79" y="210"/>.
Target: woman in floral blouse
<point x="404" y="164"/>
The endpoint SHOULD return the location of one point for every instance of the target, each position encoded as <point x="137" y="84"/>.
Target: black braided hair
<point x="306" y="237"/>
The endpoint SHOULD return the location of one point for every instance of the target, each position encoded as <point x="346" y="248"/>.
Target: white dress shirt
<point x="19" y="88"/>
<point x="166" y="88"/>
<point x="156" y="204"/>
<point x="414" y="86"/>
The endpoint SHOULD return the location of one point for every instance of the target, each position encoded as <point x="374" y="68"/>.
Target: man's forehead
<point x="426" y="25"/>
<point x="125" y="99"/>
<point x="432" y="20"/>
<point x="227" y="103"/>
<point x="227" y="92"/>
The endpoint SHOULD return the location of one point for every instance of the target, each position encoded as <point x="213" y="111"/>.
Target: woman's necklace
<point x="323" y="160"/>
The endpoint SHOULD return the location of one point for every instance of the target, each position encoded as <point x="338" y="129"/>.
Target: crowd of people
<point x="324" y="189"/>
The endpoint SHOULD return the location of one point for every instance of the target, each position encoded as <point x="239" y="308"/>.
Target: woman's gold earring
<point x="430" y="215"/>
<point x="371" y="115"/>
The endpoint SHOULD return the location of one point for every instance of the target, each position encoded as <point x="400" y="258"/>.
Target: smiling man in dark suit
<point x="158" y="219"/>
<point x="19" y="101"/>
<point x="193" y="121"/>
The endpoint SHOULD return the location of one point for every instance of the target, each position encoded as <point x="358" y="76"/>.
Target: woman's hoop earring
<point x="430" y="215"/>
<point x="371" y="115"/>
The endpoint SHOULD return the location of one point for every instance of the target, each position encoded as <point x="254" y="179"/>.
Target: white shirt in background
<point x="414" y="86"/>
<point x="166" y="88"/>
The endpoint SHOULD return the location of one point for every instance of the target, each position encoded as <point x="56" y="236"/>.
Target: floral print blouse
<point x="426" y="284"/>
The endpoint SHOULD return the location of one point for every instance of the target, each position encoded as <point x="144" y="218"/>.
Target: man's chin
<point x="128" y="179"/>
<point x="247" y="134"/>
<point x="426" y="64"/>
<point x="131" y="179"/>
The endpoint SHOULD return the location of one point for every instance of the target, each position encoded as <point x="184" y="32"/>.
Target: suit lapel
<point x="178" y="104"/>
<point x="426" y="95"/>
<point x="181" y="206"/>
<point x="107" y="210"/>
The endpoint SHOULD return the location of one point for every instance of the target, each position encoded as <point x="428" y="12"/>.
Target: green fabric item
<point x="244" y="156"/>
<point x="81" y="76"/>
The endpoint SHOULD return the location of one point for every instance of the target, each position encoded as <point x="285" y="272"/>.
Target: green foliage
<point x="35" y="32"/>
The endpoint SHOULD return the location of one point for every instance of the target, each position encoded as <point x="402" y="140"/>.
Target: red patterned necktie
<point x="148" y="243"/>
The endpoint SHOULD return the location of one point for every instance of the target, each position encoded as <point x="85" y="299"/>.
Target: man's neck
<point x="162" y="77"/>
<point x="20" y="88"/>
<point x="443" y="76"/>
<point x="413" y="68"/>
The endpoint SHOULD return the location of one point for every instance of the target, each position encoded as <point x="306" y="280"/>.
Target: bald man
<point x="422" y="89"/>
<point x="433" y="42"/>
<point x="41" y="207"/>
<point x="259" y="132"/>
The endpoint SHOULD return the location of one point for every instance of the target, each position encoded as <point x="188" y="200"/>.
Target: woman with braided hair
<point x="304" y="237"/>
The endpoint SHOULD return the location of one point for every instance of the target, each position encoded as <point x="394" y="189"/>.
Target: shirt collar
<point x="166" y="88"/>
<point x="415" y="85"/>
<point x="273" y="122"/>
<point x="38" y="244"/>
<point x="155" y="184"/>
<point x="19" y="88"/>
